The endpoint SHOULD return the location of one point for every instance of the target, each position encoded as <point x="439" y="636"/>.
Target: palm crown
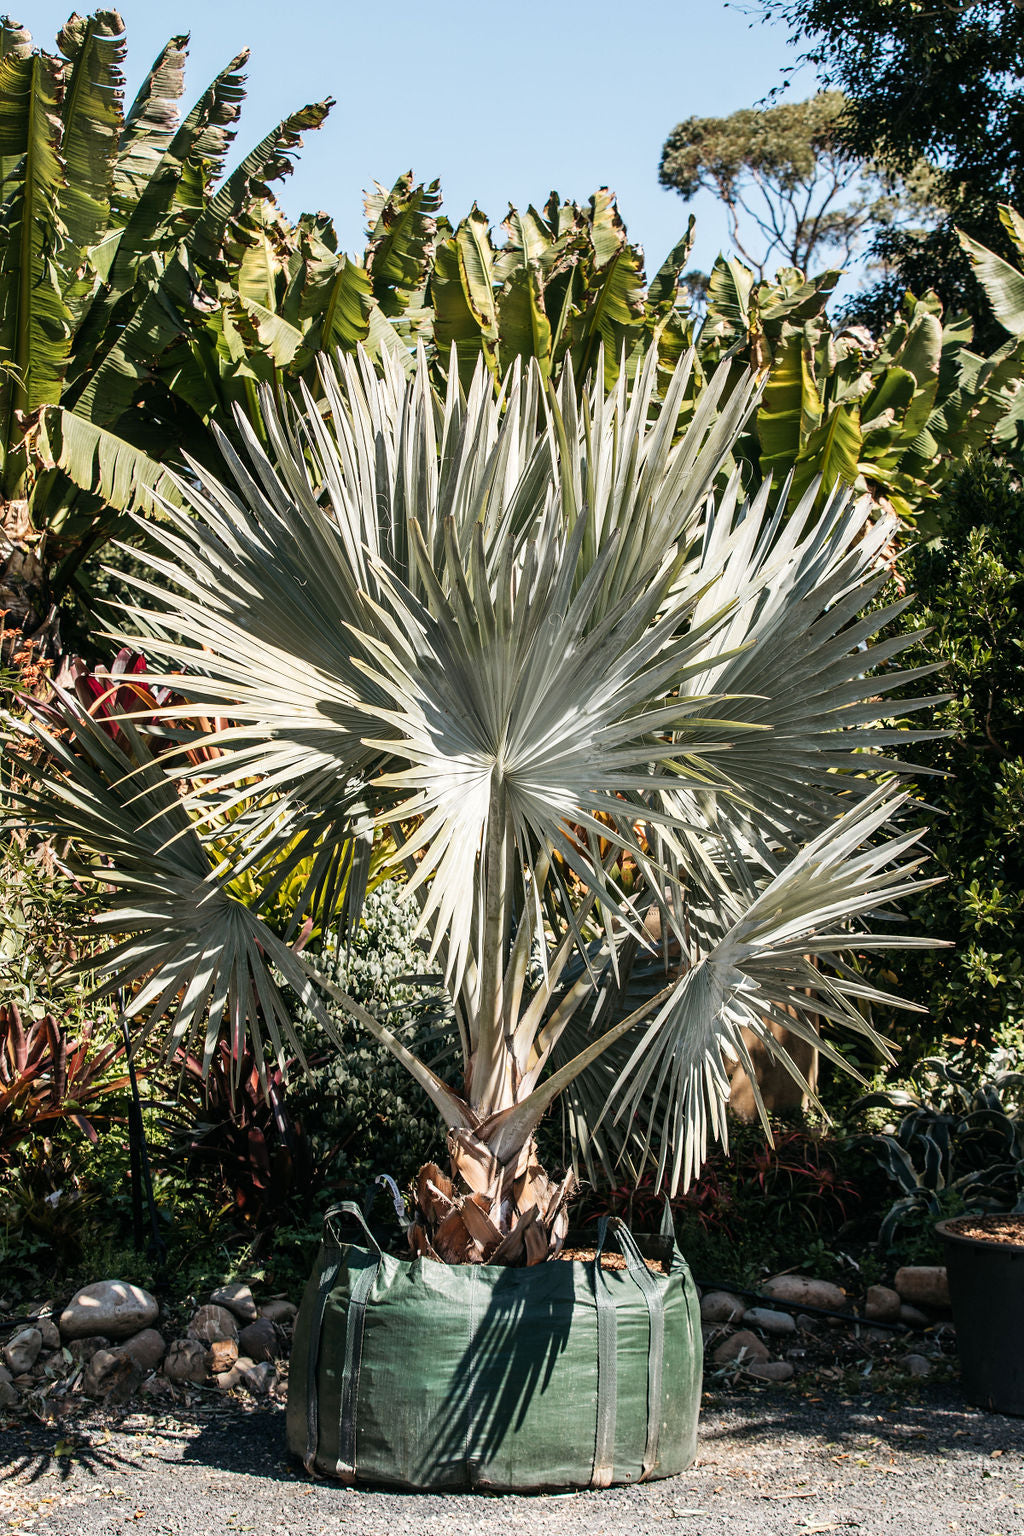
<point x="620" y="736"/>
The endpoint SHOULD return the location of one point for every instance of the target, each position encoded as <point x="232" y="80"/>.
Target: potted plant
<point x="984" y="1249"/>
<point x="622" y="740"/>
<point x="958" y="1144"/>
<point x="985" y="1265"/>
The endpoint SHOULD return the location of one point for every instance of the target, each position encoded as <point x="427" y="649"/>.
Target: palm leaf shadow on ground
<point x="61" y="1453"/>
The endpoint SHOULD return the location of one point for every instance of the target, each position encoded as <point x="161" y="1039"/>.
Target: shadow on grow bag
<point x="429" y="1375"/>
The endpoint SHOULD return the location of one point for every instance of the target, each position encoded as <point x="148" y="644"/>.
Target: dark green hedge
<point x="970" y="588"/>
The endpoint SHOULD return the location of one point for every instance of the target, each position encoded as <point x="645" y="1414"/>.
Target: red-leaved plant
<point x="46" y="1076"/>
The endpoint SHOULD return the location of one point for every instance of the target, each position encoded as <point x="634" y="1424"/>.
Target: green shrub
<point x="970" y="588"/>
<point x="360" y="1108"/>
<point x="756" y="1209"/>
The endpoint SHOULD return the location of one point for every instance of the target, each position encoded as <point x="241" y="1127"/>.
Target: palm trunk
<point x="493" y="1208"/>
<point x="489" y="1212"/>
<point x="26" y="613"/>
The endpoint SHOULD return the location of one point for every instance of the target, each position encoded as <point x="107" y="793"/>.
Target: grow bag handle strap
<point x="325" y="1285"/>
<point x="653" y="1295"/>
<point x="361" y="1287"/>
<point x="607" y="1385"/>
<point x="352" y="1211"/>
<point x="359" y="1295"/>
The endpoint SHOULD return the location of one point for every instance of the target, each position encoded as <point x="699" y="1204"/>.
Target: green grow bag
<point x="428" y="1375"/>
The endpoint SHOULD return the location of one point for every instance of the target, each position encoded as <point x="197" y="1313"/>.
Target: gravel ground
<point x="772" y="1463"/>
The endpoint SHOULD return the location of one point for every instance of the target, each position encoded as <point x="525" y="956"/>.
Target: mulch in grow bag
<point x="429" y="1375"/>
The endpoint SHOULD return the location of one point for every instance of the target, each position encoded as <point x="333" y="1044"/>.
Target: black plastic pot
<point x="986" y="1288"/>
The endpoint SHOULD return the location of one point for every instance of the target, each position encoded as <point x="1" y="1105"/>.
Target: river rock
<point x="211" y="1324"/>
<point x="146" y="1349"/>
<point x="258" y="1379"/>
<point x="238" y="1299"/>
<point x="238" y="1370"/>
<point x="186" y="1361"/>
<point x="771" y="1370"/>
<point x="110" y="1307"/>
<point x="721" y="1307"/>
<point x="111" y="1374"/>
<point x="259" y="1340"/>
<point x="739" y="1342"/>
<point x="8" y="1393"/>
<point x="82" y="1350"/>
<point x="22" y="1350"/>
<point x="102" y="1371"/>
<point x="917" y="1365"/>
<point x="769" y="1321"/>
<point x="803" y="1291"/>
<point x="923" y="1285"/>
<point x="913" y="1316"/>
<point x="881" y="1304"/>
<point x="50" y="1332"/>
<point x="279" y="1311"/>
<point x="221" y="1356"/>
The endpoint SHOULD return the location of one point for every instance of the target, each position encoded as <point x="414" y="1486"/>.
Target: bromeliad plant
<point x="49" y="1076"/>
<point x="623" y="734"/>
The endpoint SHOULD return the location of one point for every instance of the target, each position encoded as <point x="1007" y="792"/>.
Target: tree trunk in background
<point x="25" y="609"/>
<point x="780" y="1093"/>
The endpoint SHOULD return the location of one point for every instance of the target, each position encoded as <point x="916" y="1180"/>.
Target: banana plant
<point x="626" y="738"/>
<point x="566" y="283"/>
<point x="114" y="239"/>
<point x="889" y="415"/>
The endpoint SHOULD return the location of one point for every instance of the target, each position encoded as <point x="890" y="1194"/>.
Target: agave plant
<point x="956" y="1142"/>
<point x="624" y="734"/>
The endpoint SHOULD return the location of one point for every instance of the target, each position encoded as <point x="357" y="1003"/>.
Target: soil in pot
<point x="610" y="1261"/>
<point x="986" y="1229"/>
<point x="985" y="1263"/>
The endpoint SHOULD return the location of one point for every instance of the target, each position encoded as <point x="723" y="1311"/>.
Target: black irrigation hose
<point x="18" y="1322"/>
<point x="775" y="1303"/>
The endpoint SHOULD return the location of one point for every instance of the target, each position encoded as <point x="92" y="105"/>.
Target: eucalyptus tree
<point x="623" y="740"/>
<point x="942" y="83"/>
<point x="783" y="171"/>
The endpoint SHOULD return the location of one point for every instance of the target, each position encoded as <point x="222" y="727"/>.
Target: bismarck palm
<point x="622" y="739"/>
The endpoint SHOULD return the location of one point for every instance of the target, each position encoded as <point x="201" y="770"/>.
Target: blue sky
<point x="502" y="102"/>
